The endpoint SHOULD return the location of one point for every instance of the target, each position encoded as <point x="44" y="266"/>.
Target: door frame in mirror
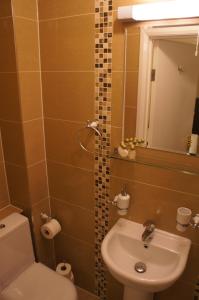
<point x="147" y="36"/>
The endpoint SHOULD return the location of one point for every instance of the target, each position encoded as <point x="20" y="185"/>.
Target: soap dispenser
<point x="122" y="201"/>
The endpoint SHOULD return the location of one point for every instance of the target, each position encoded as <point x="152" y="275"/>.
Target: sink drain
<point x="140" y="267"/>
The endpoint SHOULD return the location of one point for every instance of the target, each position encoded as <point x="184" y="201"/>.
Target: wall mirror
<point x="165" y="111"/>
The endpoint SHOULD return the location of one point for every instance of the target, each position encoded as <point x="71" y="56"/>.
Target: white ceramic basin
<point x="165" y="258"/>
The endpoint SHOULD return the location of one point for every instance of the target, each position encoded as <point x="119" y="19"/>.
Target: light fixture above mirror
<point x="173" y="9"/>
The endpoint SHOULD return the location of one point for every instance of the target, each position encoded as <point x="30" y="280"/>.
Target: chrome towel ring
<point x="93" y="125"/>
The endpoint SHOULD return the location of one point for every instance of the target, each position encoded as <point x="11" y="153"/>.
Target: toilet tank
<point x="16" y="250"/>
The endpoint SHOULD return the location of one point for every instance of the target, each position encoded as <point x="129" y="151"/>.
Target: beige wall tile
<point x="133" y="50"/>
<point x="4" y="195"/>
<point x="69" y="96"/>
<point x="80" y="255"/>
<point x="71" y="184"/>
<point x="131" y="88"/>
<point x="117" y="98"/>
<point x="34" y="141"/>
<point x="9" y="94"/>
<point x="8" y="56"/>
<point x="85" y="295"/>
<point x="18" y="186"/>
<point x="116" y="137"/>
<point x="191" y="272"/>
<point x="63" y="144"/>
<point x="30" y="95"/>
<point x="130" y="121"/>
<point x="180" y="290"/>
<point x="27" y="48"/>
<point x="5" y="8"/>
<point x="74" y="53"/>
<point x="13" y="142"/>
<point x="37" y="179"/>
<point x="114" y="288"/>
<point x="68" y="214"/>
<point x="25" y="8"/>
<point x="118" y="45"/>
<point x="156" y="176"/>
<point x="54" y="9"/>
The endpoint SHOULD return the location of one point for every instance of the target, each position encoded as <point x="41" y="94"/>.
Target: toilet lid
<point x="39" y="283"/>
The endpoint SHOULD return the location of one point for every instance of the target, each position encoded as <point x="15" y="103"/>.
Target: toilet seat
<point x="38" y="282"/>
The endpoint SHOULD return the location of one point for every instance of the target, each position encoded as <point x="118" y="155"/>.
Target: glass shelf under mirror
<point x="142" y="161"/>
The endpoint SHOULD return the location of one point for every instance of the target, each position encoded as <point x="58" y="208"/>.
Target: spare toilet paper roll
<point x="50" y="229"/>
<point x="65" y="270"/>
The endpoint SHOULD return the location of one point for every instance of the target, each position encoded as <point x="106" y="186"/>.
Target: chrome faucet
<point x="148" y="232"/>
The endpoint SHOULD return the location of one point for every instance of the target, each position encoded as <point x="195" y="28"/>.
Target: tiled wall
<point x="26" y="29"/>
<point x="155" y="193"/>
<point x="21" y="116"/>
<point x="7" y="65"/>
<point x="67" y="56"/>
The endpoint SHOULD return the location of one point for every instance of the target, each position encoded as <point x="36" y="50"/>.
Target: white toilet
<point x="21" y="278"/>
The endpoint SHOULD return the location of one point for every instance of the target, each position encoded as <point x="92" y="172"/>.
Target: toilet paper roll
<point x="65" y="270"/>
<point x="50" y="229"/>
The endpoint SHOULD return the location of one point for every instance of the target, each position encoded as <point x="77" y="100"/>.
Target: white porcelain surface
<point x="21" y="278"/>
<point x="165" y="257"/>
<point x="39" y="283"/>
<point x="16" y="252"/>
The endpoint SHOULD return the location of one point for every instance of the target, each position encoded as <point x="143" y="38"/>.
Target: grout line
<point x="21" y="122"/>
<point x="155" y="186"/>
<point x="24" y="18"/>
<point x="4" y="207"/>
<point x="42" y="107"/>
<point x="66" y="17"/>
<point x="68" y="71"/>
<point x="69" y="165"/>
<point x="71" y="204"/>
<point x="65" y="120"/>
<point x="121" y="71"/>
<point x="25" y="166"/>
<point x="18" y="72"/>
<point x="44" y="136"/>
<point x="8" y="72"/>
<point x="86" y="293"/>
<point x="40" y="201"/>
<point x="5" y="18"/>
<point x="76" y="239"/>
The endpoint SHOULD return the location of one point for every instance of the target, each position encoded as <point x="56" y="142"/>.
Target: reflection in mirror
<point x="166" y="105"/>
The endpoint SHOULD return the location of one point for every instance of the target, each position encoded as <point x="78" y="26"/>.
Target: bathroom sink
<point x="164" y="257"/>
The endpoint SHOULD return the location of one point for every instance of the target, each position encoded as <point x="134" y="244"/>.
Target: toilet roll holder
<point x="45" y="217"/>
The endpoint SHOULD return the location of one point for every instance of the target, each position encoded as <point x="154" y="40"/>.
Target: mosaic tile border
<point x="103" y="89"/>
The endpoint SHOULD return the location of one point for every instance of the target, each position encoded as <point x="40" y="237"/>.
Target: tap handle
<point x="149" y="224"/>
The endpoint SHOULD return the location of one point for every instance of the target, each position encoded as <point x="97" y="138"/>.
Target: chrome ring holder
<point x="94" y="126"/>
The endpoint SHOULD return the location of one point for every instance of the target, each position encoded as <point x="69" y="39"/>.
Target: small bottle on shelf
<point x="122" y="150"/>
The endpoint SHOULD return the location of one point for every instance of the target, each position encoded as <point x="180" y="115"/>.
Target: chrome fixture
<point x="93" y="126"/>
<point x="148" y="232"/>
<point x="195" y="222"/>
